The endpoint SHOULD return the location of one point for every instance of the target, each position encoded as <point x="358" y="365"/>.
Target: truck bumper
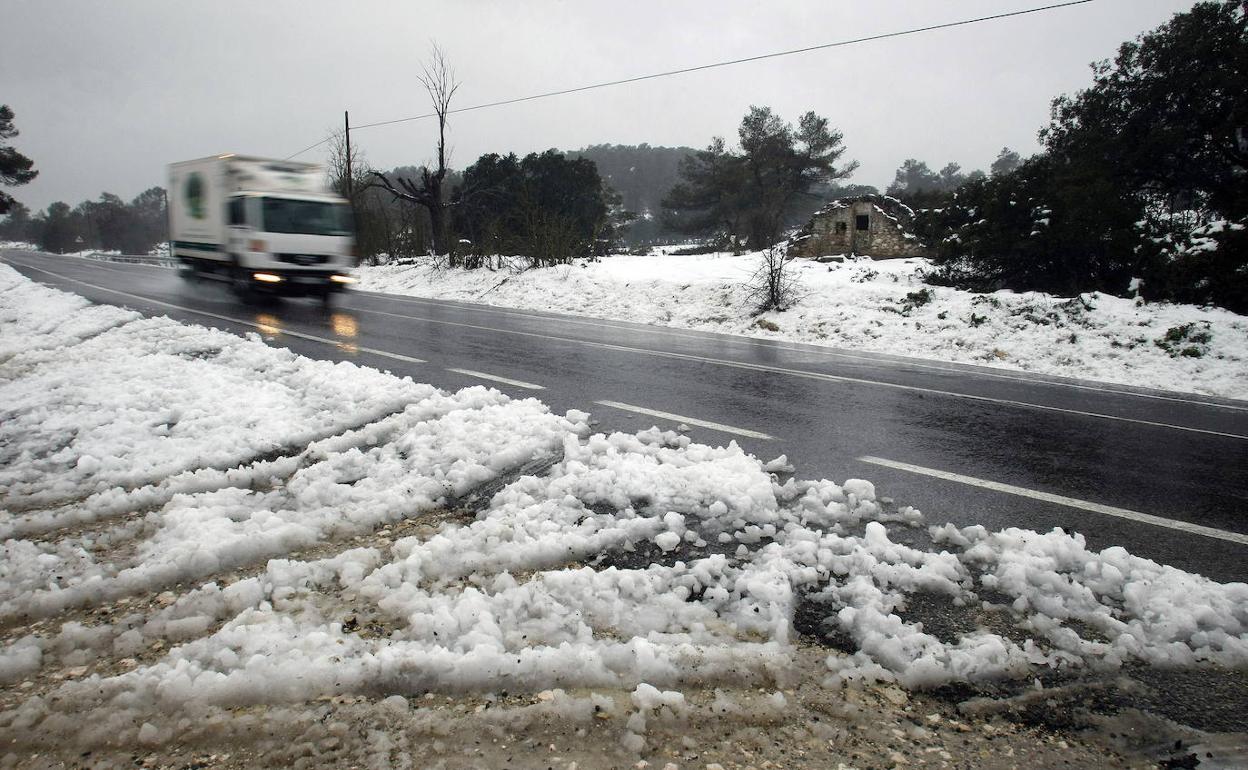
<point x="298" y="282"/>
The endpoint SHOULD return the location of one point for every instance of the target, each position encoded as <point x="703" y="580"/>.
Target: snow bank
<point x="403" y="549"/>
<point x="95" y="397"/>
<point x="874" y="306"/>
<point x="35" y="317"/>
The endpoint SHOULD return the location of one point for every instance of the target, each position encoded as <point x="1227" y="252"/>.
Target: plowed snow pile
<point x="877" y="306"/>
<point x="206" y="539"/>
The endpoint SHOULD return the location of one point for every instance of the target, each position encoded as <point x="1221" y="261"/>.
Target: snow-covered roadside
<point x="157" y="257"/>
<point x="253" y="527"/>
<point x="874" y="306"/>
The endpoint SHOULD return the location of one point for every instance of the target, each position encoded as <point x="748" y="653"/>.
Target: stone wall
<point x="834" y="230"/>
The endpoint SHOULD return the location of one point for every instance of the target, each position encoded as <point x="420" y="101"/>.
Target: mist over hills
<point x="642" y="174"/>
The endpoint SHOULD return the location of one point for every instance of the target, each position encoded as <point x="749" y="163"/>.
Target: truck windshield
<point x="288" y="215"/>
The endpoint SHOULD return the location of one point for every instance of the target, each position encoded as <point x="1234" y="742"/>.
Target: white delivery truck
<point x="262" y="224"/>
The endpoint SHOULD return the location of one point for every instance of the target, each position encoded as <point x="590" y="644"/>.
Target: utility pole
<point x="168" y="225"/>
<point x="346" y="127"/>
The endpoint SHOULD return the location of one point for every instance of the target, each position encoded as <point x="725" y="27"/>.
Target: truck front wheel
<point x="240" y="281"/>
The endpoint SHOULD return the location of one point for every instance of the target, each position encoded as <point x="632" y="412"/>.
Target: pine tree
<point x="751" y="193"/>
<point x="15" y="168"/>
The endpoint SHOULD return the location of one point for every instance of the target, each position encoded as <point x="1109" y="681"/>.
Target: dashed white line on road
<point x="1071" y="502"/>
<point x="373" y="351"/>
<point x="806" y="374"/>
<point x="496" y="378"/>
<point x="689" y="420"/>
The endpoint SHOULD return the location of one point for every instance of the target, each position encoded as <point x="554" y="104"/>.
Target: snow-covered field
<point x="876" y="306"/>
<point x="223" y="552"/>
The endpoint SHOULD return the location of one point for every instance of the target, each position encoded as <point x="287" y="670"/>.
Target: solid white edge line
<point x="495" y="378"/>
<point x="266" y="329"/>
<point x="689" y="420"/>
<point x="1071" y="502"/>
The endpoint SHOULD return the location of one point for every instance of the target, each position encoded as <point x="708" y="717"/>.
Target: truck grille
<point x="303" y="259"/>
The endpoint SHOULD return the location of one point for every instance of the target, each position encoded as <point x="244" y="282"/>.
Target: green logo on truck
<point x="194" y="192"/>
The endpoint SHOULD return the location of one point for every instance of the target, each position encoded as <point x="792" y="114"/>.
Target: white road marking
<point x="806" y="374"/>
<point x="879" y="360"/>
<point x="266" y="328"/>
<point x="724" y="362"/>
<point x="373" y="351"/>
<point x="1108" y="510"/>
<point x="496" y="378"/>
<point x="690" y="420"/>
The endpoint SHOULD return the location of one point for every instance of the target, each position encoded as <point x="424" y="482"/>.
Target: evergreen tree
<point x="15" y="168"/>
<point x="711" y="195"/>
<point x="751" y="193"/>
<point x="1144" y="175"/>
<point x="1007" y="162"/>
<point x="58" y="229"/>
<point x="150" y="221"/>
<point x="913" y="179"/>
<point x="918" y="186"/>
<point x="108" y="223"/>
<point x="1169" y="116"/>
<point x="17" y="225"/>
<point x="545" y="206"/>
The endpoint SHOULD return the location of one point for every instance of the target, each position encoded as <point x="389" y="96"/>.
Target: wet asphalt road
<point x="1180" y="457"/>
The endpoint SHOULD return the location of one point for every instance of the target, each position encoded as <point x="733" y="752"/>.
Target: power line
<point x="714" y="65"/>
<point x="309" y="147"/>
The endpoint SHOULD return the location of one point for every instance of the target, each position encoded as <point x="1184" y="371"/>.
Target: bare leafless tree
<point x="336" y="166"/>
<point x="773" y="286"/>
<point x="439" y="81"/>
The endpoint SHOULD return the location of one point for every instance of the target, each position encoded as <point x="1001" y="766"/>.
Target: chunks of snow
<point x="780" y="464"/>
<point x="298" y="594"/>
<point x="144" y="399"/>
<point x="667" y="541"/>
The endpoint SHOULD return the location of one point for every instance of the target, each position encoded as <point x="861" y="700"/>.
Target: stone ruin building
<point x="876" y="226"/>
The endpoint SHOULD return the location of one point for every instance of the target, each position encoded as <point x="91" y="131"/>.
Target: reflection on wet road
<point x="342" y="324"/>
<point x="269" y="325"/>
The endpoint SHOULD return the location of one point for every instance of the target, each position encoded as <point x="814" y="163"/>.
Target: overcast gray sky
<point x="107" y="93"/>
